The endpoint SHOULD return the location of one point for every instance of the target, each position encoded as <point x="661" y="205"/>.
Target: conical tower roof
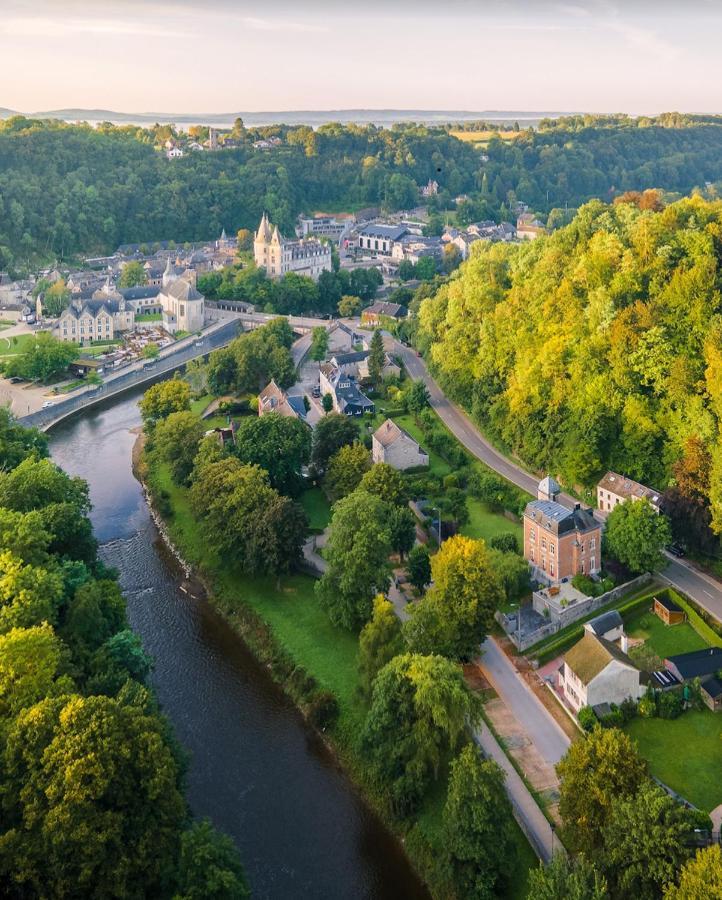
<point x="264" y="229"/>
<point x="276" y="235"/>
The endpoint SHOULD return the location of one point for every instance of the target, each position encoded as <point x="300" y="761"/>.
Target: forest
<point x="67" y="190"/>
<point x="599" y="346"/>
<point x="91" y="777"/>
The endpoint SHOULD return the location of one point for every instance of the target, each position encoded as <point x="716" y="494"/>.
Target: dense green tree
<point x="121" y="657"/>
<point x="132" y="275"/>
<point x="416" y="398"/>
<point x="150" y="351"/>
<point x="646" y="840"/>
<point x="572" y="879"/>
<point x="209" y="866"/>
<point x="456" y="614"/>
<point x="420" y="708"/>
<point x="598" y="770"/>
<point x="506" y="541"/>
<point x="419" y="567"/>
<point x="402" y="528"/>
<point x="327" y="403"/>
<point x="31" y="660"/>
<point x="279" y="444"/>
<point x="45" y="357"/>
<point x="330" y="434"/>
<point x="700" y="878"/>
<point x="91" y="800"/>
<point x="95" y="613"/>
<point x="164" y="398"/>
<point x="477" y="827"/>
<point x="24" y="535"/>
<point x="29" y="595"/>
<point x="17" y="442"/>
<point x="346" y="468"/>
<point x="357" y="554"/>
<point x="379" y="642"/>
<point x="319" y="344"/>
<point x="513" y="572"/>
<point x="176" y="440"/>
<point x="349" y="306"/>
<point x="376" y="358"/>
<point x="387" y="483"/>
<point x="636" y="534"/>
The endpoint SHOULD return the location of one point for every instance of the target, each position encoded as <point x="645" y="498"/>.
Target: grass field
<point x="684" y="753"/>
<point x="663" y="640"/>
<point x="199" y="405"/>
<point x="317" y="507"/>
<point x="485" y="523"/>
<point x="15" y="345"/>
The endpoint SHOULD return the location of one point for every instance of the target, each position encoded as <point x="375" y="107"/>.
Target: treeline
<point x="91" y="777"/>
<point x="70" y="189"/>
<point x="596" y="347"/>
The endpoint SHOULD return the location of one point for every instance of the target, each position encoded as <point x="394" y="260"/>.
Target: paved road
<point x="526" y="810"/>
<point x="703" y="589"/>
<point x="548" y="738"/>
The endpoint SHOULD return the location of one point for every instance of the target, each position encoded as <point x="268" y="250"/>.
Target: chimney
<point x="577" y="506"/>
<point x="624" y="643"/>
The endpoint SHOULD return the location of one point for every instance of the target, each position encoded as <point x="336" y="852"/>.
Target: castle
<point x="279" y="256"/>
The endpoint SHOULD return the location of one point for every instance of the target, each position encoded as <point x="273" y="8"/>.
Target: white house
<point x="394" y="446"/>
<point x="614" y="489"/>
<point x="596" y="671"/>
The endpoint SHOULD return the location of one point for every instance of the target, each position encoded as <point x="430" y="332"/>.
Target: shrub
<point x="613" y="719"/>
<point x="451" y="481"/>
<point x="647" y="706"/>
<point x="507" y="542"/>
<point x="669" y="705"/>
<point x="628" y="708"/>
<point x="587" y="718"/>
<point x="323" y="710"/>
<point x="585" y="584"/>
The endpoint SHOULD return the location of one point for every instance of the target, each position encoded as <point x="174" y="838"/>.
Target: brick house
<point x="560" y="542"/>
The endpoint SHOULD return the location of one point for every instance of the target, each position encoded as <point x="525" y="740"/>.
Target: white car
<point x="48" y="404"/>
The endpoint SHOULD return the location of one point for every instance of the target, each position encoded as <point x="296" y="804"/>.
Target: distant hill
<point x="297" y="117"/>
<point x="6" y="113"/>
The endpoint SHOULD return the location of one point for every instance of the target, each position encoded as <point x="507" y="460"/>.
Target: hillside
<point x="597" y="347"/>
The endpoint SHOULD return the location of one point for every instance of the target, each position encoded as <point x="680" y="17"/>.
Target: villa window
<point x="551" y="567"/>
<point x="531" y="554"/>
<point x="592" y="543"/>
<point x="544" y="543"/>
<point x="552" y="548"/>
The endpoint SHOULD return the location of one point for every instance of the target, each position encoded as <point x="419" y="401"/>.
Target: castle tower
<point x="261" y="243"/>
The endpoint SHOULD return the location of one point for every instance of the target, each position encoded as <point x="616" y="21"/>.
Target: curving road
<point x="702" y="588"/>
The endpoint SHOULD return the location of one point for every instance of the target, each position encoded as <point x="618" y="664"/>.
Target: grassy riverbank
<point x="282" y="623"/>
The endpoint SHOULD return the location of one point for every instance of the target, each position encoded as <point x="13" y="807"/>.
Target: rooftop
<point x="600" y="625"/>
<point x="389" y="432"/>
<point x="625" y="487"/>
<point x="559" y="519"/>
<point x="697" y="663"/>
<point x="591" y="655"/>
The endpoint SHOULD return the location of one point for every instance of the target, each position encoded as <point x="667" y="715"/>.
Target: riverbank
<point x="286" y="631"/>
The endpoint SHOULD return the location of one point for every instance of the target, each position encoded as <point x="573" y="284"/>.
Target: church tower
<point x="261" y="243"/>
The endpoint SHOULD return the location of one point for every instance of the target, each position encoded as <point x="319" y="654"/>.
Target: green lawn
<point x="437" y="464"/>
<point x="485" y="523"/>
<point x="684" y="753"/>
<point x="149" y="317"/>
<point x="198" y="407"/>
<point x="17" y="344"/>
<point x="317" y="507"/>
<point x="664" y="640"/>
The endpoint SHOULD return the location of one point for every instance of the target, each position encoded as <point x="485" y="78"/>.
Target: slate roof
<point x="345" y="359"/>
<point x="712" y="686"/>
<point x="600" y="625"/>
<point x="387" y="232"/>
<point x="591" y="655"/>
<point x="384" y="308"/>
<point x="697" y="663"/>
<point x="142" y="292"/>
<point x="389" y="432"/>
<point x="558" y="519"/>
<point x="668" y="604"/>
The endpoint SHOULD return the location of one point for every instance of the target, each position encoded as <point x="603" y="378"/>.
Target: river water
<point x="256" y="770"/>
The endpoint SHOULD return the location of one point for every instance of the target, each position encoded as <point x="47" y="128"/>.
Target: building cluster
<point x="106" y="312"/>
<point x="218" y="139"/>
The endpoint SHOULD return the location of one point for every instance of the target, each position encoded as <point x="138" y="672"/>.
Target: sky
<point x="219" y="56"/>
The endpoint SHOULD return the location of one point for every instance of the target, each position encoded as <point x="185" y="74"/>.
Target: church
<point x="181" y="303"/>
<point x="279" y="256"/>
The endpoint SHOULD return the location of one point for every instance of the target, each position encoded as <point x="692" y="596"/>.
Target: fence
<point x="181" y="352"/>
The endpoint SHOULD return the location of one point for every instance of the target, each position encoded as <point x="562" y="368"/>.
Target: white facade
<point x="616" y="683"/>
<point x="279" y="256"/>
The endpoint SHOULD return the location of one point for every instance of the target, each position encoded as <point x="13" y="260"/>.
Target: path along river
<point x="256" y="769"/>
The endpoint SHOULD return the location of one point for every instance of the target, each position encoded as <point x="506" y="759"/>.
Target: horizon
<point x="131" y="56"/>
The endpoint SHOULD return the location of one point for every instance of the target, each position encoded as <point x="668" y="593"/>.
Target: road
<point x="703" y="589"/>
<point x="548" y="738"/>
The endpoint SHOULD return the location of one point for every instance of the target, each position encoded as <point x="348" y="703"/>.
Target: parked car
<point x="48" y="403"/>
<point x="676" y="549"/>
<point x="16" y="379"/>
<point x="316" y="392"/>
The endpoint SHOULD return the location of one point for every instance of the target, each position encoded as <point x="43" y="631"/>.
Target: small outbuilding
<point x="668" y="611"/>
<point x="608" y="625"/>
<point x="711" y="690"/>
<point x="695" y="664"/>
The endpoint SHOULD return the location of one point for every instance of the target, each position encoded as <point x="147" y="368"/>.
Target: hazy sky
<point x="222" y="56"/>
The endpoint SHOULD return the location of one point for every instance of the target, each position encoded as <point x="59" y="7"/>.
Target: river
<point x="256" y="769"/>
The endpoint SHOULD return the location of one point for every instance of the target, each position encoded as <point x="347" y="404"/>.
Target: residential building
<point x="392" y="445"/>
<point x="102" y="318"/>
<point x="390" y="368"/>
<point x="335" y="227"/>
<point x="348" y="363"/>
<point x="596" y="671"/>
<point x="174" y="153"/>
<point x="274" y="399"/>
<point x="614" y="489"/>
<point x="278" y="256"/>
<point x="695" y="664"/>
<point x="347" y="397"/>
<point x="373" y="314"/>
<point x="528" y="227"/>
<point x="379" y="240"/>
<point x="608" y="625"/>
<point x="560" y="542"/>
